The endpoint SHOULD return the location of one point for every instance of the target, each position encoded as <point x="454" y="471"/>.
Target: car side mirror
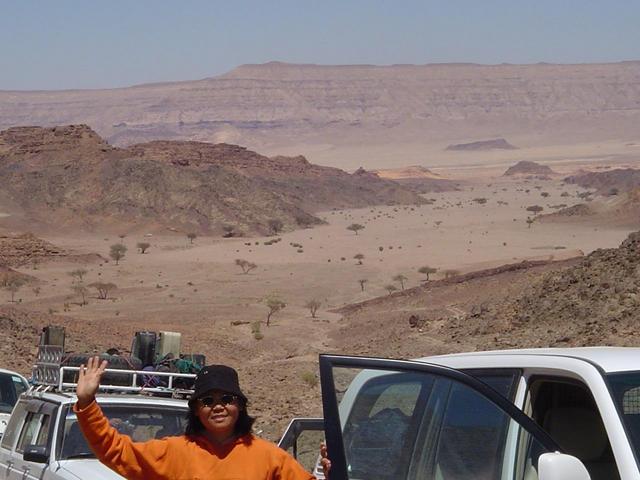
<point x="559" y="466"/>
<point x="36" y="454"/>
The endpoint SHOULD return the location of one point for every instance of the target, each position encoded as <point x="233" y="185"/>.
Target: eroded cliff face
<point x="284" y="104"/>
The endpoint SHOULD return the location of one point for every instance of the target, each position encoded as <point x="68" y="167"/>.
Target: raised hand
<point x="89" y="381"/>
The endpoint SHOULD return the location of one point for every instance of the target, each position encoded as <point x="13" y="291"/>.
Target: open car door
<point x="404" y="420"/>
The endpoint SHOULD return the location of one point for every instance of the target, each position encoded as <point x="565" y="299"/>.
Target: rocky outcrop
<point x="20" y="250"/>
<point x="611" y="182"/>
<point x="526" y="167"/>
<point x="482" y="145"/>
<point x="595" y="302"/>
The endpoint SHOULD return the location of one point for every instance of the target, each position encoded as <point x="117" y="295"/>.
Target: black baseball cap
<point x="217" y="377"/>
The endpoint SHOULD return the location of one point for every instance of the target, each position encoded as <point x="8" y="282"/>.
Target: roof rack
<point x="49" y="375"/>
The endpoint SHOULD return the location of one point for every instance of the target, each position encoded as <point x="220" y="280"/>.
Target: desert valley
<point x="497" y="211"/>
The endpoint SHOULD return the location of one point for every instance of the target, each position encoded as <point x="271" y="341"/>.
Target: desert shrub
<point x="355" y="227"/>
<point x="245" y="265"/>
<point x="78" y="274"/>
<point x="310" y="379"/>
<point x="103" y="289"/>
<point x="117" y="252"/>
<point x="143" y="246"/>
<point x="535" y="209"/>
<point x="390" y="288"/>
<point x="274" y="304"/>
<point x="401" y="279"/>
<point x="427" y="270"/>
<point x="313" y="305"/>
<point x="191" y="236"/>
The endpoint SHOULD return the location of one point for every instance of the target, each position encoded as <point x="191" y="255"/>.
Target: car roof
<point x="11" y="372"/>
<point x="608" y="359"/>
<point x="113" y="399"/>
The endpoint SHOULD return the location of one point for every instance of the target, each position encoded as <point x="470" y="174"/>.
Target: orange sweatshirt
<point x="186" y="458"/>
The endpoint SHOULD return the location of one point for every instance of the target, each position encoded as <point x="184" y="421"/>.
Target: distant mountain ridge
<point x="277" y="105"/>
<point x="69" y="177"/>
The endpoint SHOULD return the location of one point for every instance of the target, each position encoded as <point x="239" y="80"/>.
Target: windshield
<point x="625" y="388"/>
<point x="11" y="386"/>
<point x="140" y="422"/>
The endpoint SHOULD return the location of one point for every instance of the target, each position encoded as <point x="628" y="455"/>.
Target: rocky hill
<point x="591" y="300"/>
<point x="619" y="209"/>
<point x="608" y="183"/>
<point x="482" y="145"/>
<point x="69" y="177"/>
<point x="278" y="104"/>
<point x="526" y="167"/>
<point x="595" y="302"/>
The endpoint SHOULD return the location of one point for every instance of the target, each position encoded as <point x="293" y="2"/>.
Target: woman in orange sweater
<point x="218" y="443"/>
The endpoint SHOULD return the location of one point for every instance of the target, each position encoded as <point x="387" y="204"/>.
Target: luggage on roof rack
<point x="50" y="370"/>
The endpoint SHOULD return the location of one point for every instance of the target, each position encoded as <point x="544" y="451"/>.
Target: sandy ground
<point x="196" y="289"/>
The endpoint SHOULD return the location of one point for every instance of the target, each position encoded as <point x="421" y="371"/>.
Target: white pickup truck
<point x="539" y="414"/>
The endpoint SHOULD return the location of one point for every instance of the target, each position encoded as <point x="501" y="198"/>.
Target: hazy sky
<point x="94" y="44"/>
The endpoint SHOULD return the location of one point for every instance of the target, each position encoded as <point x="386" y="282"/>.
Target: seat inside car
<point x="580" y="432"/>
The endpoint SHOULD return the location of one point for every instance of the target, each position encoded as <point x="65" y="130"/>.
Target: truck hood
<point x="88" y="468"/>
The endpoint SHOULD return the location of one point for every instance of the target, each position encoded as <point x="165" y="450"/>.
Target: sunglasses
<point x="224" y="399"/>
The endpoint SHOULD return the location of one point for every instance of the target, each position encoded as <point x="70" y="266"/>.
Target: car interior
<point x="566" y="410"/>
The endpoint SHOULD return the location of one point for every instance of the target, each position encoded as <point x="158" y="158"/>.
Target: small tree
<point x="78" y="274"/>
<point x="529" y="222"/>
<point x="391" y="288"/>
<point x="400" y="278"/>
<point x="245" y="265"/>
<point x="313" y="306"/>
<point x="13" y="285"/>
<point x="535" y="209"/>
<point x="117" y="252"/>
<point x="274" y="304"/>
<point x="427" y="270"/>
<point x="359" y="257"/>
<point x="275" y="225"/>
<point x="103" y="288"/>
<point x="362" y="281"/>
<point x="82" y="291"/>
<point x="355" y="227"/>
<point x="191" y="236"/>
<point x="143" y="246"/>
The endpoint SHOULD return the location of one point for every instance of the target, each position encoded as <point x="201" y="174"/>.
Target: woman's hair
<point x="242" y="427"/>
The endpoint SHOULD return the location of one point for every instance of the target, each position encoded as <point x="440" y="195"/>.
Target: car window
<point x="472" y="436"/>
<point x="14" y="426"/>
<point x="377" y="428"/>
<point x="11" y="386"/>
<point x="503" y="381"/>
<point x="35" y="431"/>
<point x="140" y="422"/>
